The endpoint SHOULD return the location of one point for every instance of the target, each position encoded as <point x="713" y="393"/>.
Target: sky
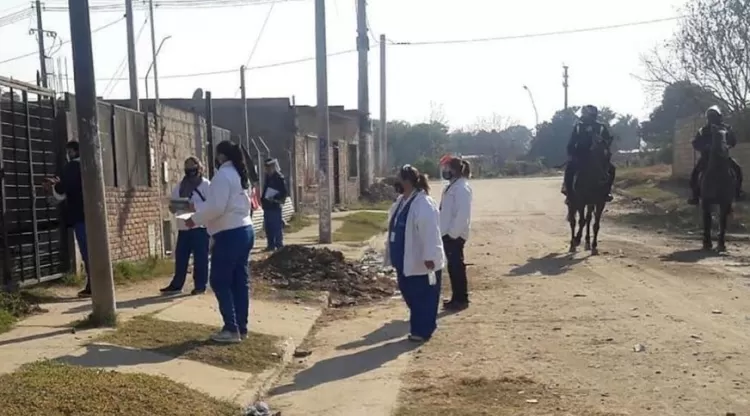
<point x="467" y="81"/>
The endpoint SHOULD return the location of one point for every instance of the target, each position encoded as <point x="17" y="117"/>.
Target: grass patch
<point x="297" y="222"/>
<point x="127" y="272"/>
<point x="264" y="290"/>
<point x="361" y="226"/>
<point x="51" y="388"/>
<point x="486" y="397"/>
<point x="370" y="206"/>
<point x="190" y="341"/>
<point x="14" y="306"/>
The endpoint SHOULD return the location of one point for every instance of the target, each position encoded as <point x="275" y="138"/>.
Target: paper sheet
<point x="184" y="215"/>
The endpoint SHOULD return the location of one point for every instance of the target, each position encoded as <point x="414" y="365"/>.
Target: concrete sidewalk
<point x="50" y="336"/>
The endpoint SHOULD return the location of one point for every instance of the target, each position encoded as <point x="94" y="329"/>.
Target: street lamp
<point x="150" y="67"/>
<point x="533" y="104"/>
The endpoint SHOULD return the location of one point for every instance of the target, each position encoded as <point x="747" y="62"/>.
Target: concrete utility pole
<point x="210" y="134"/>
<point x="324" y="172"/>
<point x="95" y="207"/>
<point x="40" y="41"/>
<point x="154" y="54"/>
<point x="383" y="120"/>
<point x="365" y="125"/>
<point x="565" y="84"/>
<point x="132" y="67"/>
<point x="243" y="94"/>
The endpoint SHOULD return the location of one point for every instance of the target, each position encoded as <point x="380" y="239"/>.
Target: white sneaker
<point x="226" y="337"/>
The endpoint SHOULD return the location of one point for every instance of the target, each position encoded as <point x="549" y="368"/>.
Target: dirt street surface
<point x="649" y="327"/>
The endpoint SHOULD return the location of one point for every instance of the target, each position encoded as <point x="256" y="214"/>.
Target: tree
<point x="679" y="100"/>
<point x="711" y="49"/>
<point x="408" y="143"/>
<point x="552" y="137"/>
<point x="626" y="131"/>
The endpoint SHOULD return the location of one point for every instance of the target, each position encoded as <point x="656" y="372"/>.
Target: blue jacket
<point x="277" y="182"/>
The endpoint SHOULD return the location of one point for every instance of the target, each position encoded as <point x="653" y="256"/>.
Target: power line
<point x="108" y="25"/>
<point x="16" y="17"/>
<point x="260" y="34"/>
<point x="537" y="35"/>
<point x="120" y="68"/>
<point x="173" y="4"/>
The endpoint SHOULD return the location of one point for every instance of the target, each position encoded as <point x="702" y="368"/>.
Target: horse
<point x="589" y="194"/>
<point x="717" y="188"/>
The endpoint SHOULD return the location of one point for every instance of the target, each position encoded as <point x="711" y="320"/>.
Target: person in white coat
<point x="455" y="222"/>
<point x="226" y="216"/>
<point x="414" y="248"/>
<point x="195" y="241"/>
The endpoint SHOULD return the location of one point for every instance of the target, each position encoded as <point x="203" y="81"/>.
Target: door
<point x="33" y="243"/>
<point x="336" y="175"/>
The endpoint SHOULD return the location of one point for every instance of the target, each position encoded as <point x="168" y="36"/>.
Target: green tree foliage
<point x="679" y="100"/>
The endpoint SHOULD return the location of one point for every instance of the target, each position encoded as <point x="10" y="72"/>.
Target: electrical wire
<point x="62" y="43"/>
<point x="536" y="35"/>
<point x="173" y="5"/>
<point x="112" y="83"/>
<point x="16" y="17"/>
<point x="257" y="42"/>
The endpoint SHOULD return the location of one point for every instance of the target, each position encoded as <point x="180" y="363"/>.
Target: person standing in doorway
<point x="273" y="199"/>
<point x="226" y="216"/>
<point x="195" y="241"/>
<point x="68" y="188"/>
<point x="415" y="250"/>
<point x="455" y="222"/>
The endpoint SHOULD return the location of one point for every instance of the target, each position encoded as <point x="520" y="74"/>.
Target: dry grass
<point x="190" y="341"/>
<point x="361" y="226"/>
<point x="15" y="306"/>
<point x="370" y="206"/>
<point x="126" y="272"/>
<point x="296" y="223"/>
<point x="485" y="397"/>
<point x="51" y="388"/>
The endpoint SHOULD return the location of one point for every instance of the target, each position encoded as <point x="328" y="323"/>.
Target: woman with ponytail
<point x="415" y="250"/>
<point x="226" y="216"/>
<point x="455" y="222"/>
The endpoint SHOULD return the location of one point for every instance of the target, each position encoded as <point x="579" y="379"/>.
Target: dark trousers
<point x="701" y="166"/>
<point x="423" y="301"/>
<point x="454" y="252"/>
<point x="79" y="231"/>
<point x="273" y="224"/>
<point x="230" y="276"/>
<point x="572" y="167"/>
<point x="195" y="242"/>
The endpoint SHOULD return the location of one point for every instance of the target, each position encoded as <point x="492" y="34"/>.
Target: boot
<point x="693" y="199"/>
<point x="740" y="195"/>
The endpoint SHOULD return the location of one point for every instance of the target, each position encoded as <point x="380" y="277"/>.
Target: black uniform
<point x="702" y="144"/>
<point x="579" y="147"/>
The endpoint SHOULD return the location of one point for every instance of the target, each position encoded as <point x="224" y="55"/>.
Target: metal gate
<point x="33" y="242"/>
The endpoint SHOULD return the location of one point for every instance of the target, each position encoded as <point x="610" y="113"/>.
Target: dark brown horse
<point x="589" y="196"/>
<point x="717" y="188"/>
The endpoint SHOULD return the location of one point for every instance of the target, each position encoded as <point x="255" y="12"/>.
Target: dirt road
<point x="554" y="334"/>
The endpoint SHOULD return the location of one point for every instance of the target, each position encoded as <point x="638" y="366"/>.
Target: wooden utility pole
<point x="95" y="207"/>
<point x="365" y="125"/>
<point x="565" y="84"/>
<point x="383" y="162"/>
<point x="40" y="42"/>
<point x="324" y="172"/>
<point x="132" y="67"/>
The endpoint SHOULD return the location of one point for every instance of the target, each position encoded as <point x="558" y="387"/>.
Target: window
<point x="353" y="160"/>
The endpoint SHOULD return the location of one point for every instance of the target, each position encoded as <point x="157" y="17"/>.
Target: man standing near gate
<point x="68" y="187"/>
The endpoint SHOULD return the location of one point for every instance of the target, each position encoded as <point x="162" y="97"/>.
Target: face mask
<point x="447" y="175"/>
<point x="398" y="187"/>
<point x="191" y="172"/>
<point x="217" y="163"/>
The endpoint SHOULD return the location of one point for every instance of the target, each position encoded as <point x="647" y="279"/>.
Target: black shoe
<point x="693" y="201"/>
<point x="455" y="306"/>
<point x="610" y="198"/>
<point x="197" y="292"/>
<point x="85" y="293"/>
<point x="169" y="290"/>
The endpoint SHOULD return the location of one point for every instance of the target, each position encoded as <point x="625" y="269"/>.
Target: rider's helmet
<point x="589" y="113"/>
<point x="713" y="114"/>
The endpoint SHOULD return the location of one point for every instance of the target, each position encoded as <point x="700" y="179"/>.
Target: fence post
<point x="210" y="134"/>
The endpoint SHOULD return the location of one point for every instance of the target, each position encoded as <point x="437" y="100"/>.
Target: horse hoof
<point x="594" y="252"/>
<point x="721" y="248"/>
<point x="572" y="249"/>
<point x="707" y="246"/>
<point x="588" y="246"/>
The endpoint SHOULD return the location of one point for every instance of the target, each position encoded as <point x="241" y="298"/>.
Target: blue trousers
<point x="79" y="231"/>
<point x="423" y="300"/>
<point x="230" y="276"/>
<point x="273" y="223"/>
<point x="195" y="242"/>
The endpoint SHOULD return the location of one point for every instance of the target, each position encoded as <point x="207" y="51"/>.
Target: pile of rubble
<point x="321" y="269"/>
<point x="380" y="191"/>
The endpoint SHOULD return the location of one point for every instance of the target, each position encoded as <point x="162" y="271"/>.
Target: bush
<point x="427" y="166"/>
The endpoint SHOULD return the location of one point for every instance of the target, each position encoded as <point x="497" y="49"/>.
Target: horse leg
<point x="706" y="208"/>
<point x="589" y="210"/>
<point x="572" y="221"/>
<point x="597" y="224"/>
<point x="724" y="211"/>
<point x="581" y="224"/>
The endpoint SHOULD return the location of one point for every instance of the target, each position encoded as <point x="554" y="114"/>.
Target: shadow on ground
<point x="689" y="256"/>
<point x="389" y="331"/>
<point x="131" y="304"/>
<point x="346" y="366"/>
<point x="553" y="264"/>
<point x="111" y="356"/>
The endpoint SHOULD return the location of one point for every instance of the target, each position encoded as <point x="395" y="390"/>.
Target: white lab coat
<point x="227" y="205"/>
<point x="423" y="240"/>
<point x="455" y="210"/>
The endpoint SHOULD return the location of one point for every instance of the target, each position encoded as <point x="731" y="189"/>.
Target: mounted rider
<point x="585" y="132"/>
<point x="702" y="144"/>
